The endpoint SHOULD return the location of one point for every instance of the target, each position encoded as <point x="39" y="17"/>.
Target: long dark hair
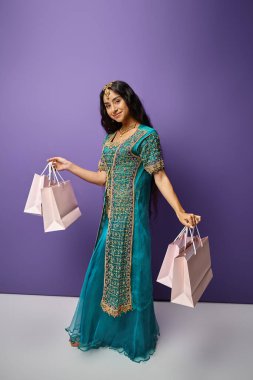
<point x="138" y="112"/>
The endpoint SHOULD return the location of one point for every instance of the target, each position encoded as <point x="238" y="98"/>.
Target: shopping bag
<point x="192" y="272"/>
<point x="59" y="205"/>
<point x="33" y="202"/>
<point x="166" y="271"/>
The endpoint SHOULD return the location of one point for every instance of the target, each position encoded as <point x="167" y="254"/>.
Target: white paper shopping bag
<point x="33" y="202"/>
<point x="59" y="205"/>
<point x="165" y="275"/>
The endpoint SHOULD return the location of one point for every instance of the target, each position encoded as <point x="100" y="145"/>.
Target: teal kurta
<point x="115" y="308"/>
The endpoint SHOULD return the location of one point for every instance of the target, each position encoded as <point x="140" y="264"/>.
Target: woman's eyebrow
<point x="113" y="99"/>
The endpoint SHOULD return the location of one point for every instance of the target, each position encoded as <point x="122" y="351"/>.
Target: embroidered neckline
<point x="116" y="143"/>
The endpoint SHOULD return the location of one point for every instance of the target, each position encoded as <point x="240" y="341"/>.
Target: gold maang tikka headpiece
<point x="106" y="89"/>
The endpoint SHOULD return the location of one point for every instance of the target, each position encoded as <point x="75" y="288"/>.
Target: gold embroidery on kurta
<point x="121" y="166"/>
<point x="154" y="168"/>
<point x="117" y="297"/>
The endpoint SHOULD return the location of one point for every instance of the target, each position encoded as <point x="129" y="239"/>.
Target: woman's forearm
<point x="164" y="185"/>
<point x="98" y="178"/>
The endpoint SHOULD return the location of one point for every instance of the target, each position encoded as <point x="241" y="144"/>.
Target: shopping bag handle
<point x="45" y="168"/>
<point x="51" y="171"/>
<point x="192" y="240"/>
<point x="180" y="233"/>
<point x="55" y="172"/>
<point x="201" y="242"/>
<point x="185" y="231"/>
<point x="49" y="166"/>
<point x="191" y="229"/>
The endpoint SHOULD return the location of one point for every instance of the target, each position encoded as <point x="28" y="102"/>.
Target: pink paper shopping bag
<point x="192" y="272"/>
<point x="33" y="203"/>
<point x="166" y="271"/>
<point x="59" y="205"/>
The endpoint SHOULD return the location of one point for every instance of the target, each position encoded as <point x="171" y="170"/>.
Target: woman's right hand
<point x="60" y="163"/>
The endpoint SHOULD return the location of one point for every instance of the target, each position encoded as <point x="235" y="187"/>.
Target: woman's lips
<point x="118" y="114"/>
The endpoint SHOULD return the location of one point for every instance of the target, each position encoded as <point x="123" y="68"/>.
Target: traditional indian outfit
<point x="115" y="308"/>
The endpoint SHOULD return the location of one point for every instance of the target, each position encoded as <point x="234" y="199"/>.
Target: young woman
<point x="115" y="308"/>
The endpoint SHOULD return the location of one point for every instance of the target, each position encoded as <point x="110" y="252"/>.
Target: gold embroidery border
<point x="154" y="168"/>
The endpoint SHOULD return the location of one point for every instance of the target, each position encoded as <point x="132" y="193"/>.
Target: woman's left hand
<point x="188" y="219"/>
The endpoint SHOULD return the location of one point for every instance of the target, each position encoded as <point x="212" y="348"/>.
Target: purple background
<point x="191" y="64"/>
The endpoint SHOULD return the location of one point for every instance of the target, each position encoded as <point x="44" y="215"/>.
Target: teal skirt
<point x="134" y="333"/>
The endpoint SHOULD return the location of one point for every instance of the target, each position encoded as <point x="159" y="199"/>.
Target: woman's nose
<point x="115" y="109"/>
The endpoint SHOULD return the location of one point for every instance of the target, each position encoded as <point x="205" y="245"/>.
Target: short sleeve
<point x="151" y="153"/>
<point x="102" y="163"/>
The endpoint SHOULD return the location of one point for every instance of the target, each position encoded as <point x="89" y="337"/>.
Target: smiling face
<point x="116" y="107"/>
